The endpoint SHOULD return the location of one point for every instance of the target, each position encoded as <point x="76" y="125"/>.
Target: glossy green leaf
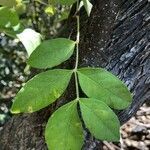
<point x="62" y="2"/>
<point x="101" y="84"/>
<point x="41" y="90"/>
<point x="30" y="39"/>
<point x="88" y="6"/>
<point x="51" y="53"/>
<point x="64" y="130"/>
<point x="100" y="119"/>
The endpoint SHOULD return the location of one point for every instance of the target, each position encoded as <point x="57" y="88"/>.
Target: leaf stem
<point x="77" y="42"/>
<point x="76" y="84"/>
<point x="77" y="52"/>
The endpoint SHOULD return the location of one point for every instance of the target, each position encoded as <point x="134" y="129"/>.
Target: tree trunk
<point x="116" y="37"/>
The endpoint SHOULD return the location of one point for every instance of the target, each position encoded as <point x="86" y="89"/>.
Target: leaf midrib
<point x="98" y="118"/>
<point x="100" y="85"/>
<point x="68" y="122"/>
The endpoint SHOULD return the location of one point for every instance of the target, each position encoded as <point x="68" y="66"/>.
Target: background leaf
<point x="50" y="10"/>
<point x="20" y="6"/>
<point x="88" y="6"/>
<point x="102" y="85"/>
<point x="9" y="32"/>
<point x="64" y="130"/>
<point x="30" y="39"/>
<point x="8" y="18"/>
<point x="100" y="119"/>
<point x="62" y="2"/>
<point x="8" y="3"/>
<point x="51" y="53"/>
<point x="41" y="91"/>
<point x="9" y="22"/>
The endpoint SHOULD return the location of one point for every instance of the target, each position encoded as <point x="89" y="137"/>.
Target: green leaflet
<point x="100" y="119"/>
<point x="100" y="84"/>
<point x="51" y="53"/>
<point x="62" y="2"/>
<point x="41" y="90"/>
<point x="64" y="129"/>
<point x="88" y="6"/>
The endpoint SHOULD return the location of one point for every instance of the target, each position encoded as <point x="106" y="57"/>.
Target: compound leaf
<point x="41" y="90"/>
<point x="100" y="119"/>
<point x="64" y="130"/>
<point x="100" y="84"/>
<point x="51" y="53"/>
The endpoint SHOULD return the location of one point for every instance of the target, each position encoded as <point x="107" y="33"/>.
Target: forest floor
<point x="135" y="133"/>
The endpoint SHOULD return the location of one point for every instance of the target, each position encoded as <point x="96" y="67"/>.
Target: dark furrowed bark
<point x="116" y="37"/>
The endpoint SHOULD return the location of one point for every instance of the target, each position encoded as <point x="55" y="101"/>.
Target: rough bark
<point x="116" y="37"/>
